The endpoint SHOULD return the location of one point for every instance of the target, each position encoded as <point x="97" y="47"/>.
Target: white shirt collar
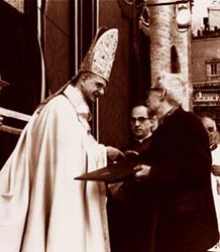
<point x="142" y="139"/>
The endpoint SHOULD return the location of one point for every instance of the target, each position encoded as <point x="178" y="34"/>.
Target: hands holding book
<point x="121" y="169"/>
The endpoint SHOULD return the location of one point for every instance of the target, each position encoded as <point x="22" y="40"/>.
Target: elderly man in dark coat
<point x="177" y="170"/>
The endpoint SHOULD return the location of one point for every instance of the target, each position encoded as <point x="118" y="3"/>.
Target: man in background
<point x="129" y="211"/>
<point x="211" y="128"/>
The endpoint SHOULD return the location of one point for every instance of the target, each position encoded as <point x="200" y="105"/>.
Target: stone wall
<point x="164" y="34"/>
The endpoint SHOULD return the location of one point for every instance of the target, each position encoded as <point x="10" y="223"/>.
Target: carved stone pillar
<point x="165" y="36"/>
<point x="160" y="34"/>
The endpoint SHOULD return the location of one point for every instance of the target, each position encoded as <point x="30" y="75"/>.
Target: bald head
<point x="210" y="126"/>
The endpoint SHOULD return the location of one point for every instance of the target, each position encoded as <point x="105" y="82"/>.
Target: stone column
<point x="164" y="34"/>
<point x="160" y="35"/>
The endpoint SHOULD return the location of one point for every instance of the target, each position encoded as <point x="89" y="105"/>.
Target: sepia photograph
<point x="109" y="126"/>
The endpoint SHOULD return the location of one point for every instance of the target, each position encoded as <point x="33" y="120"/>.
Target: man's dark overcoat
<point x="179" y="180"/>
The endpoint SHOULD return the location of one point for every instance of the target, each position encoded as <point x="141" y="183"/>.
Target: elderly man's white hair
<point x="174" y="86"/>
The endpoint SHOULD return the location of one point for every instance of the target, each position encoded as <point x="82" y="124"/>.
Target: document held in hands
<point x="120" y="171"/>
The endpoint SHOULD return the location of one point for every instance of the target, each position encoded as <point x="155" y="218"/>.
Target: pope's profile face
<point x="93" y="87"/>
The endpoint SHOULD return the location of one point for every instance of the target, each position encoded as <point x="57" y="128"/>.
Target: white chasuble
<point x="42" y="207"/>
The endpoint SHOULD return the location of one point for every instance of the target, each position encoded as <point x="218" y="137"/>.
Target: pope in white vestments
<point x="42" y="207"/>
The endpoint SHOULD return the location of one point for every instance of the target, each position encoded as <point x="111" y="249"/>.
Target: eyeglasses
<point x="140" y="119"/>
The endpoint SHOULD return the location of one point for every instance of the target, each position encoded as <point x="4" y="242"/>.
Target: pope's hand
<point x="143" y="171"/>
<point x="114" y="153"/>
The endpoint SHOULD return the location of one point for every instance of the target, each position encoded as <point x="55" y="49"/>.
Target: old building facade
<point x="206" y="71"/>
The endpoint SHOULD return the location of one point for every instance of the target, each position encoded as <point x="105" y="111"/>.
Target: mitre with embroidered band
<point x="101" y="54"/>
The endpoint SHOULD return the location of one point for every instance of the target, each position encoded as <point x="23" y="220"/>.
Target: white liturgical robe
<point x="42" y="207"/>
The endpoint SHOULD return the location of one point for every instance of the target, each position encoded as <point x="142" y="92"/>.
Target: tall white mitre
<point x="101" y="54"/>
